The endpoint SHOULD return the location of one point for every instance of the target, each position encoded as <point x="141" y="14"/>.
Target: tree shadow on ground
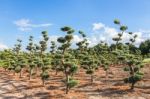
<point x="46" y="95"/>
<point x="145" y="89"/>
<point x="52" y="87"/>
<point x="111" y="92"/>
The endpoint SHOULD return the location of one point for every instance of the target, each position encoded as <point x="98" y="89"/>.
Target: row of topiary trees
<point x="67" y="60"/>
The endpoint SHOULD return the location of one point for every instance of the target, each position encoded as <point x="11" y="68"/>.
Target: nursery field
<point x="74" y="49"/>
<point x="13" y="87"/>
<point x="63" y="69"/>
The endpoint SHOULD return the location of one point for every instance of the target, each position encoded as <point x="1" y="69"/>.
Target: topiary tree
<point x="82" y="47"/>
<point x="20" y="61"/>
<point x="44" y="62"/>
<point x="67" y="60"/>
<point x="134" y="65"/>
<point x="119" y="36"/>
<point x="120" y="48"/>
<point x="90" y="63"/>
<point x="6" y="57"/>
<point x="55" y="61"/>
<point x="31" y="59"/>
<point x="105" y="64"/>
<point x="132" y="61"/>
<point x="105" y="57"/>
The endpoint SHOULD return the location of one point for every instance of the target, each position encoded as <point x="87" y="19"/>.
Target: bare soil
<point x="13" y="87"/>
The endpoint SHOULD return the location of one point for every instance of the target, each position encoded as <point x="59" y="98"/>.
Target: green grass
<point x="146" y="61"/>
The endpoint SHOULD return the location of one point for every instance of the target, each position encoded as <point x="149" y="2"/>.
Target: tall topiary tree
<point x="90" y="63"/>
<point x="55" y="61"/>
<point x="134" y="65"/>
<point x="67" y="60"/>
<point x="44" y="62"/>
<point x="31" y="59"/>
<point x="20" y="61"/>
<point x="119" y="36"/>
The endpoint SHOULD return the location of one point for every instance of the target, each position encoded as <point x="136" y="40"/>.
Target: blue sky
<point x="22" y="18"/>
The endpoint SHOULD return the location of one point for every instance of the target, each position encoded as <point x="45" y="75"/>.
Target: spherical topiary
<point x="116" y="21"/>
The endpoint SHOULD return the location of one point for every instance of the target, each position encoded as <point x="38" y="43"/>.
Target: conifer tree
<point x="44" y="62"/>
<point x="134" y="65"/>
<point x="31" y="59"/>
<point x="20" y="61"/>
<point x="67" y="60"/>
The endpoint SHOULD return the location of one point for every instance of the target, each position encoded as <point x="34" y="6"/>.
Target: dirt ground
<point x="13" y="87"/>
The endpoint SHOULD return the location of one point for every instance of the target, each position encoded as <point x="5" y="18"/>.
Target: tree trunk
<point x="20" y="73"/>
<point x="92" y="78"/>
<point x="14" y="73"/>
<point x="67" y="86"/>
<point x="132" y="86"/>
<point x="36" y="71"/>
<point x="30" y="74"/>
<point x="43" y="82"/>
<point x="106" y="76"/>
<point x="56" y="72"/>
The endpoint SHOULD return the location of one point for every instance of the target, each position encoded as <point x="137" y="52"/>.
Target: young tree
<point x="44" y="60"/>
<point x="134" y="64"/>
<point x="123" y="29"/>
<point x="31" y="61"/>
<point x="67" y="60"/>
<point x="55" y="61"/>
<point x="5" y="57"/>
<point x="90" y="63"/>
<point x="20" y="61"/>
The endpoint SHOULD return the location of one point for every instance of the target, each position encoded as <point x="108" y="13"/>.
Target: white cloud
<point x="3" y="46"/>
<point x="105" y="33"/>
<point x="98" y="26"/>
<point x="53" y="38"/>
<point x="77" y="38"/>
<point x="102" y="32"/>
<point x="26" y="25"/>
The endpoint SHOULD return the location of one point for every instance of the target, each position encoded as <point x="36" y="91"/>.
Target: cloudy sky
<point x="22" y="18"/>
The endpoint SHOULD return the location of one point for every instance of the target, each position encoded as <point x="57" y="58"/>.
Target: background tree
<point x="145" y="48"/>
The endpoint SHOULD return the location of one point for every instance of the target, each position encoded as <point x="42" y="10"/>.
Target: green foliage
<point x="146" y="61"/>
<point x="145" y="48"/>
<point x="44" y="75"/>
<point x="17" y="69"/>
<point x="72" y="83"/>
<point x="116" y="21"/>
<point x="63" y="58"/>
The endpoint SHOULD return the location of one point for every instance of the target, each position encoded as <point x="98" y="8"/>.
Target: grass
<point x="146" y="61"/>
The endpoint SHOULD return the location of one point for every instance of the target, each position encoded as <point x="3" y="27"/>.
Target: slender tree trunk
<point x="67" y="86"/>
<point x="132" y="74"/>
<point x="20" y="73"/>
<point x="92" y="78"/>
<point x="30" y="74"/>
<point x="36" y="70"/>
<point x="14" y="73"/>
<point x="43" y="82"/>
<point x="56" y="72"/>
<point x="132" y="86"/>
<point x="106" y="76"/>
